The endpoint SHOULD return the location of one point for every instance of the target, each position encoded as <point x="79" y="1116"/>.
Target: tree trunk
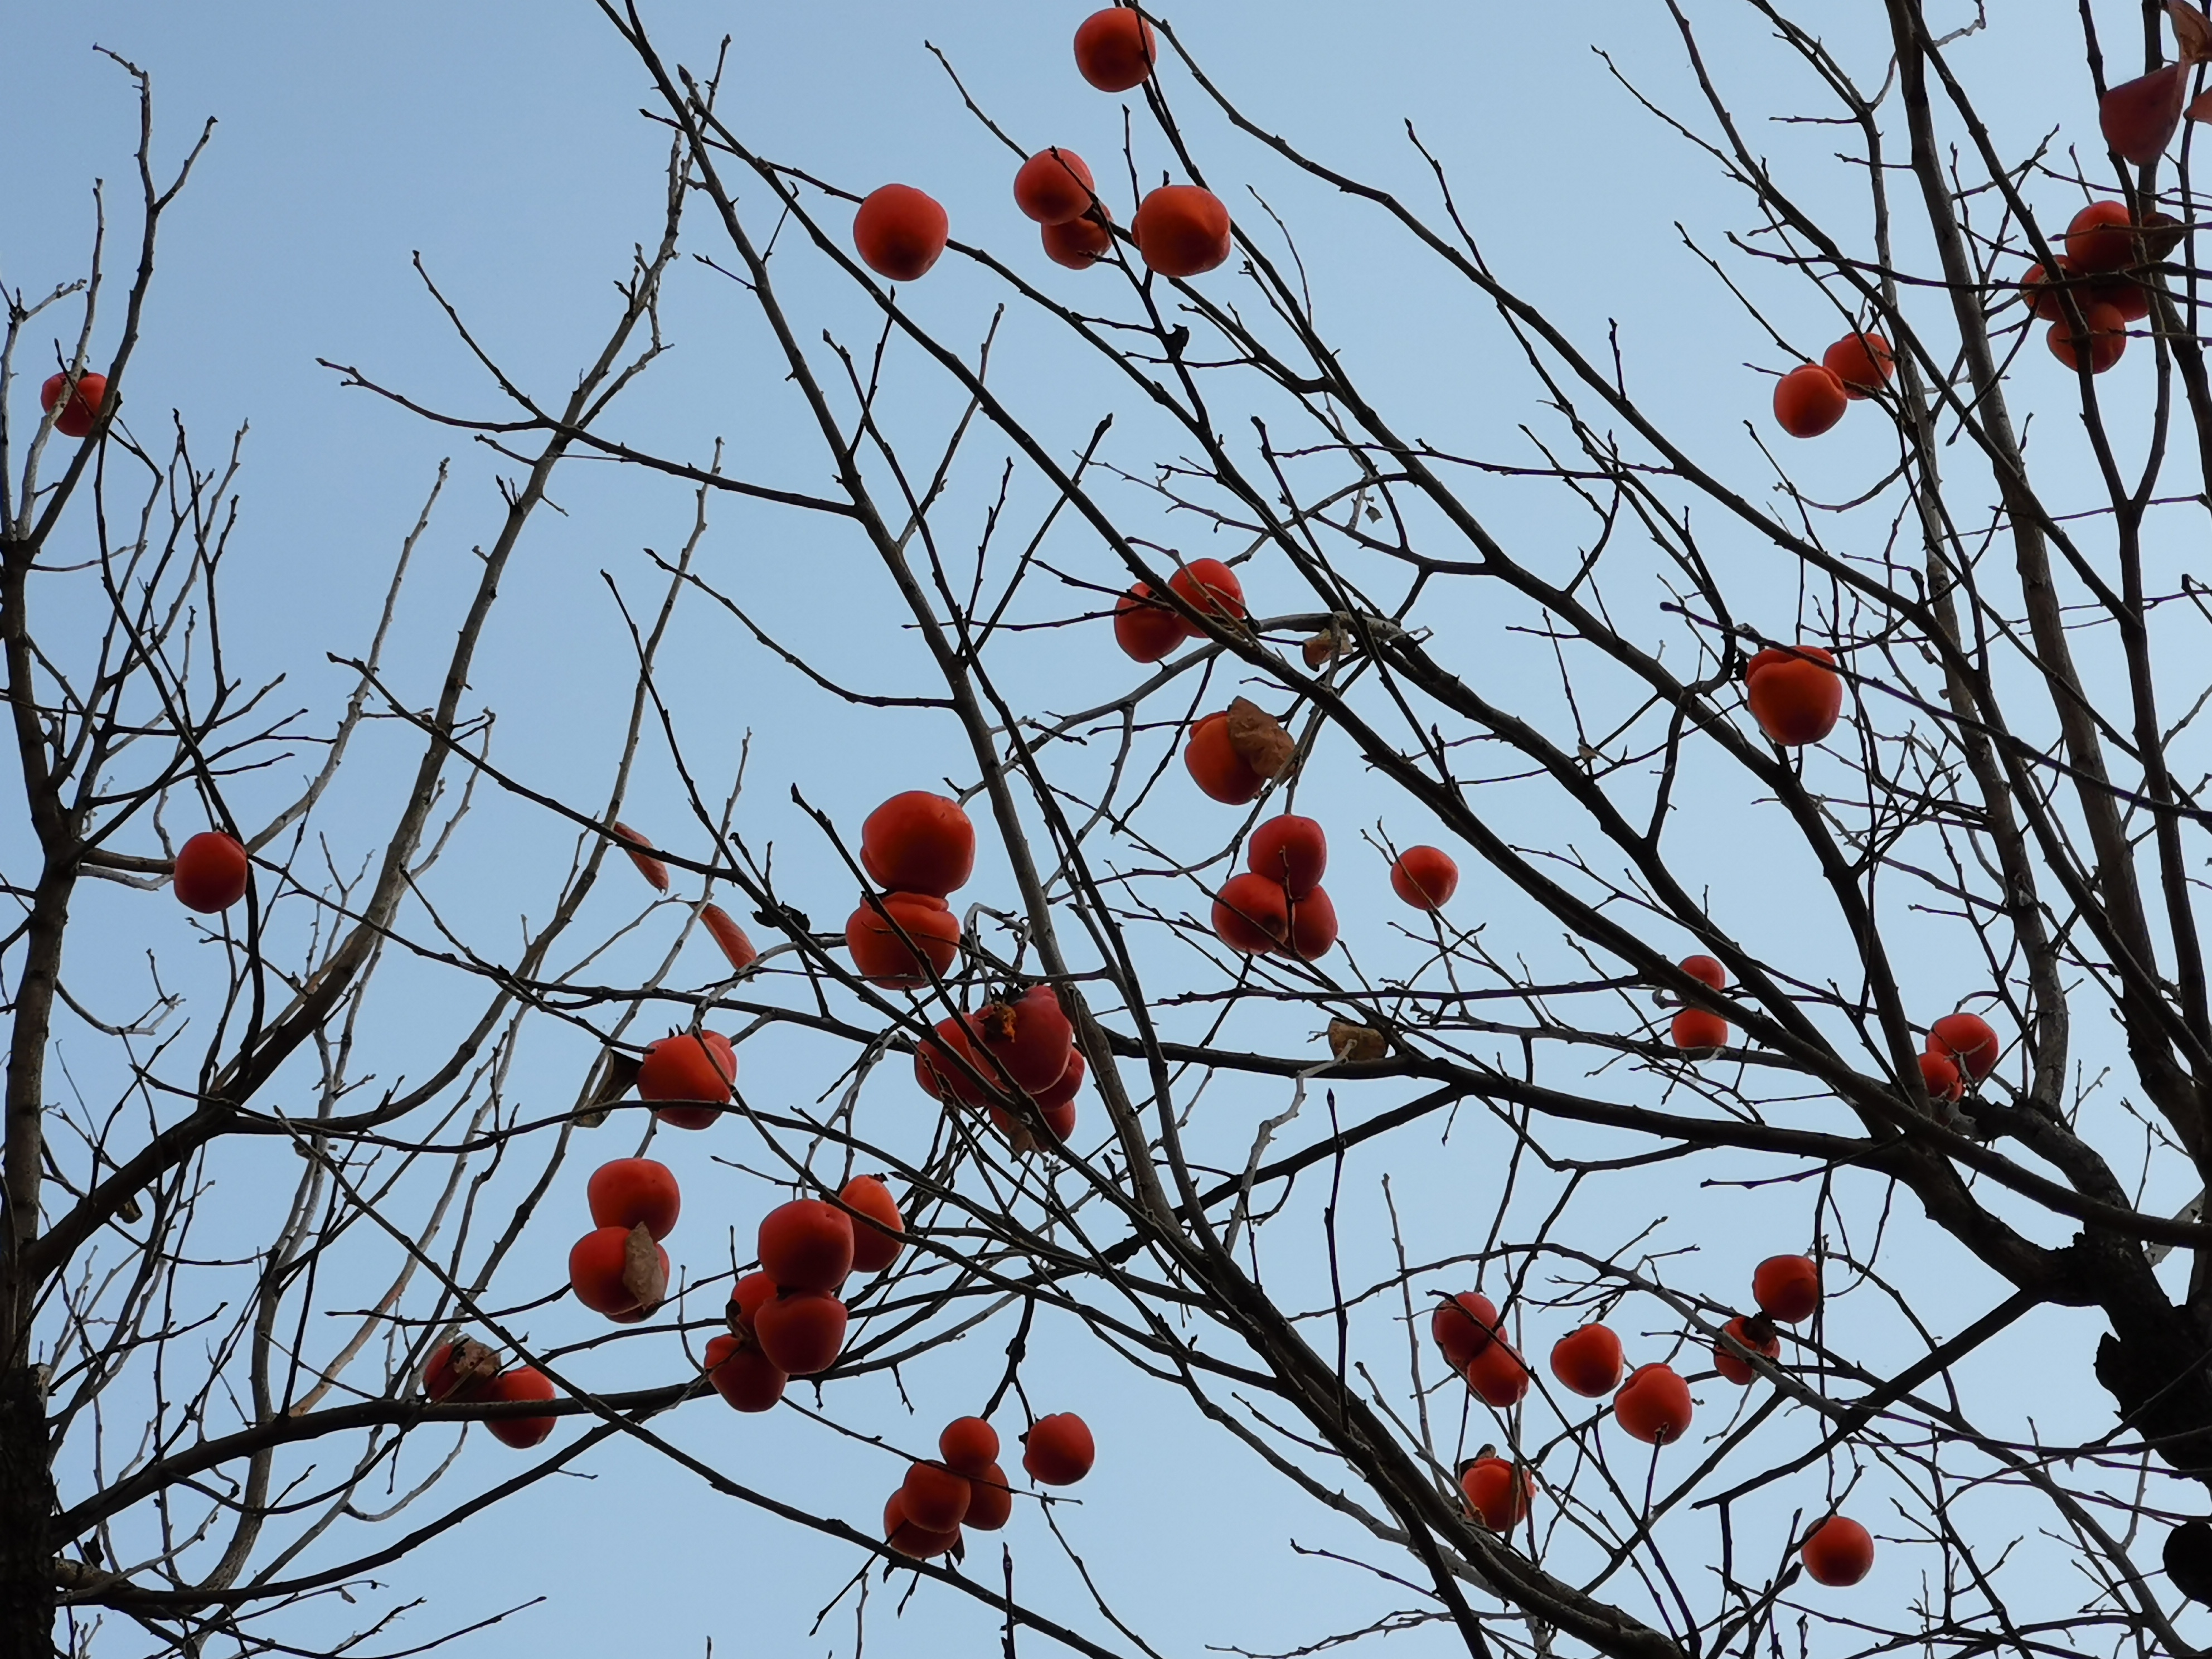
<point x="27" y="1507"/>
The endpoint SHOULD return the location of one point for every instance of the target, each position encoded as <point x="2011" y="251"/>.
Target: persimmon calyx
<point x="1350" y="1043"/>
<point x="643" y="1276"/>
<point x="1261" y="741"/>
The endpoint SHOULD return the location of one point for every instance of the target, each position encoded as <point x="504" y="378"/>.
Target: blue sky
<point x="502" y="141"/>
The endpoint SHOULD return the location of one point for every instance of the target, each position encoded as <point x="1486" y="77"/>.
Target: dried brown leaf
<point x="644" y="1274"/>
<point x="2193" y="31"/>
<point x="650" y="867"/>
<point x="1348" y="1041"/>
<point x="1259" y="738"/>
<point x="611" y="1079"/>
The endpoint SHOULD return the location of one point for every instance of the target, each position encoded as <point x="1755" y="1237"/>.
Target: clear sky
<point x="501" y="140"/>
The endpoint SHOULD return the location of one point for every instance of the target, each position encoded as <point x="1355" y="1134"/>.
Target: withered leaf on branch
<point x="1323" y="648"/>
<point x="2138" y="117"/>
<point x="1348" y="1041"/>
<point x="1259" y="738"/>
<point x="2193" y="31"/>
<point x="470" y="1361"/>
<point x="654" y="872"/>
<point x="644" y="1276"/>
<point x="614" y="1076"/>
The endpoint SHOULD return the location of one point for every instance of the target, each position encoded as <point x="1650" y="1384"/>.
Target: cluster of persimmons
<point x="1652" y="1404"/>
<point x="1179" y="230"/>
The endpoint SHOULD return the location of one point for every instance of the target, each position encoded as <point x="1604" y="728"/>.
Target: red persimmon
<point x="918" y="842"/>
<point x="801" y="1331"/>
<point x="1215" y="765"/>
<point x="1863" y="362"/>
<point x="1079" y="245"/>
<point x="211" y="872"/>
<point x="990" y="1500"/>
<point x="2101" y="237"/>
<point x="1654" y="1406"/>
<point x="1183" y="230"/>
<point x="1707" y="971"/>
<point x="1424" y="877"/>
<point x="1146" y="629"/>
<point x="1588" y="1361"/>
<point x="908" y="1539"/>
<point x="1497" y="1494"/>
<point x="1757" y="1334"/>
<point x="524" y="1383"/>
<point x="1058" y="1449"/>
<point x="634" y="1191"/>
<point x="1313" y="926"/>
<point x="685" y="1066"/>
<point x="1211" y="588"/>
<point x="1054" y="186"/>
<point x="1839" y="1552"/>
<point x="1114" y="49"/>
<point x="1968" y="1039"/>
<point x="1252" y="915"/>
<point x="936" y="1499"/>
<point x="1290" y="850"/>
<point x="806" y="1245"/>
<point x="1938" y="1075"/>
<point x="877" y="1227"/>
<point x="83" y="408"/>
<point x="460" y="1370"/>
<point x="1809" y="400"/>
<point x="1029" y="1037"/>
<point x="1786" y="1287"/>
<point x="743" y="1375"/>
<point x="968" y="1445"/>
<point x="1463" y="1326"/>
<point x="619" y="1271"/>
<point x="1499" y="1375"/>
<point x="2107" y="337"/>
<point x="899" y="232"/>
<point x="1796" y="693"/>
<point x="1699" y="1033"/>
<point x="898" y="940"/>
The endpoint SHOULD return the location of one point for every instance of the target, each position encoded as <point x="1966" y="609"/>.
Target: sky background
<point x="503" y="142"/>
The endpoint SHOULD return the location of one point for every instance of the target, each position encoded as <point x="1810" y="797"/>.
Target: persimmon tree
<point x="1716" y="842"/>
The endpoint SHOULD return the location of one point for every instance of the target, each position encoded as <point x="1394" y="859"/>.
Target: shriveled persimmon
<point x="1654" y="1406"/>
<point x="1054" y="186"/>
<point x="918" y="842"/>
<point x="1183" y="230"/>
<point x="1809" y="400"/>
<point x="211" y="872"/>
<point x="900" y="231"/>
<point x="460" y="1370"/>
<point x="1424" y="877"/>
<point x="1058" y="1449"/>
<point x="898" y="940"/>
<point x="1795" y="693"/>
<point x="1114" y="49"/>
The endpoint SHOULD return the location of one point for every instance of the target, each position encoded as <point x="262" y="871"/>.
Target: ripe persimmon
<point x="1053" y="186"/>
<point x="909" y="1539"/>
<point x="1707" y="971"/>
<point x="1786" y="1287"/>
<point x="1020" y="1137"/>
<point x="1757" y="1334"/>
<point x="805" y="1245"/>
<point x="968" y="1445"/>
<point x="76" y="420"/>
<point x="1863" y="362"/>
<point x="882" y="957"/>
<point x="1498" y="1374"/>
<point x="2130" y="298"/>
<point x="1071" y="1081"/>
<point x="2101" y="237"/>
<point x="743" y="1375"/>
<point x="1146" y="629"/>
<point x="1795" y="693"/>
<point x="990" y="1500"/>
<point x="899" y="232"/>
<point x="918" y="842"/>
<point x="801" y="1331"/>
<point x="1839" y="1552"/>
<point x="942" y="1060"/>
<point x="612" y="1270"/>
<point x="1699" y="1033"/>
<point x="1654" y="1405"/>
<point x="1313" y="926"/>
<point x="634" y="847"/>
<point x="751" y="1294"/>
<point x="1211" y="588"/>
<point x="936" y="1499"/>
<point x="1114" y="49"/>
<point x="1938" y="1075"/>
<point x="1290" y="850"/>
<point x="1183" y="230"/>
<point x="1809" y="400"/>
<point x="1029" y="1037"/>
<point x="634" y="1191"/>
<point x="1588" y="1361"/>
<point x="1215" y="766"/>
<point x="686" y="1066"/>
<point x="1968" y="1039"/>
<point x="211" y="872"/>
<point x="1463" y="1326"/>
<point x="2107" y="337"/>
<point x="2041" y="288"/>
<point x="1079" y="244"/>
<point x="1058" y="1449"/>
<point x="460" y="1370"/>
<point x="729" y="937"/>
<point x="878" y="1228"/>
<point x="524" y="1383"/>
<point x="1252" y="915"/>
<point x="1424" y="877"/>
<point x="1497" y="1494"/>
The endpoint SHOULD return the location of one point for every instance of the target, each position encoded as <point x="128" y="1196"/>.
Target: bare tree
<point x="2001" y="816"/>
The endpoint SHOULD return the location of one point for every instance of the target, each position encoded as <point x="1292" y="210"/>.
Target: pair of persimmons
<point x="1180" y="230"/>
<point x="965" y="1487"/>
